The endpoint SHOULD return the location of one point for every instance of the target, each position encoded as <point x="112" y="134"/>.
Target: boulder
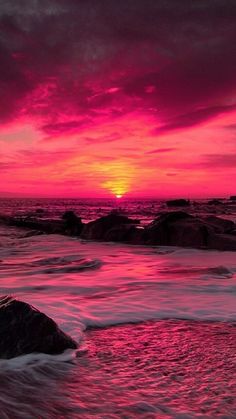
<point x="215" y="202"/>
<point x="177" y="229"/>
<point x="222" y="242"/>
<point x="46" y="226"/>
<point x="182" y="229"/>
<point x="221" y="225"/>
<point x="178" y="203"/>
<point x="39" y="211"/>
<point x="24" y="330"/>
<point x="98" y="229"/>
<point x="127" y="233"/>
<point x="73" y="224"/>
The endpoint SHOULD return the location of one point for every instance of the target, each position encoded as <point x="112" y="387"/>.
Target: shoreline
<point x="170" y="228"/>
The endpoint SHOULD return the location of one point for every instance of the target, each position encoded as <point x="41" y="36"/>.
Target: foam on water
<point x="83" y="284"/>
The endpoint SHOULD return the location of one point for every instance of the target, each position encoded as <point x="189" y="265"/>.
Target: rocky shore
<point x="175" y="228"/>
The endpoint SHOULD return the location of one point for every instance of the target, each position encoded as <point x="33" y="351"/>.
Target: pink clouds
<point x="135" y="92"/>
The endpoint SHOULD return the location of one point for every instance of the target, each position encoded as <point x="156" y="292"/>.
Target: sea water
<point x="179" y="302"/>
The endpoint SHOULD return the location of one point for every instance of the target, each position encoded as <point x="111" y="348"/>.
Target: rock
<point x="177" y="229"/>
<point x="24" y="330"/>
<point x="39" y="211"/>
<point x="182" y="229"/>
<point x="221" y="225"/>
<point x="233" y="198"/>
<point x="73" y="224"/>
<point x="222" y="242"/>
<point x="98" y="229"/>
<point x="127" y="233"/>
<point x="178" y="203"/>
<point x="46" y="226"/>
<point x="215" y="202"/>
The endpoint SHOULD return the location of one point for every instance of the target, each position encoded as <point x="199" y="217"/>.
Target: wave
<point x="51" y="265"/>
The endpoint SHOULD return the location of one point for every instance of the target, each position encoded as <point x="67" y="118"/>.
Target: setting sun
<point x="118" y="196"/>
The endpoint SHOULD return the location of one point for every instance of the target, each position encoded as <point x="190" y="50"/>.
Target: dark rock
<point x="46" y="226"/>
<point x="127" y="233"/>
<point x="178" y="203"/>
<point x="98" y="229"/>
<point x="73" y="224"/>
<point x="172" y="216"/>
<point x="220" y="224"/>
<point x="178" y="229"/>
<point x="24" y="330"/>
<point x="215" y="202"/>
<point x="182" y="229"/>
<point x="222" y="242"/>
<point x="39" y="211"/>
<point x="233" y="198"/>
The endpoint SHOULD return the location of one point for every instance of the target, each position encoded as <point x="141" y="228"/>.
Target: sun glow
<point x="118" y="196"/>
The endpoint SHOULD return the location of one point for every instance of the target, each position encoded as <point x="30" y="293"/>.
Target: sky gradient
<point x="134" y="98"/>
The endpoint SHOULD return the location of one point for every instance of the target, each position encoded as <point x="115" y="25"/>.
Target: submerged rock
<point x="24" y="330"/>
<point x="178" y="203"/>
<point x="99" y="229"/>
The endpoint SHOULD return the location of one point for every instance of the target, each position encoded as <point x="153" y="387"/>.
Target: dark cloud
<point x="193" y="118"/>
<point x="59" y="60"/>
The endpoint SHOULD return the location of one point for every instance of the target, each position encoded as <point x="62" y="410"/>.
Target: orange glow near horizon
<point x="137" y="163"/>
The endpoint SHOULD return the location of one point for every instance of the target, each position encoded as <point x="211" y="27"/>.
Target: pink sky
<point x="99" y="99"/>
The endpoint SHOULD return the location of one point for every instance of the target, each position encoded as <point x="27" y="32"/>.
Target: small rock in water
<point x="24" y="330"/>
<point x="73" y="223"/>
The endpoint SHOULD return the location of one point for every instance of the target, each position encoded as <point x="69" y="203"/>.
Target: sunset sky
<point x="105" y="97"/>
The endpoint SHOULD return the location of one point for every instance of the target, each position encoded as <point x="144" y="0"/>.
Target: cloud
<point x="161" y="150"/>
<point x="67" y="64"/>
<point x="219" y="161"/>
<point x="194" y="118"/>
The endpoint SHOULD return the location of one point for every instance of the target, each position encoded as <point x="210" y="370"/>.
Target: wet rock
<point x="178" y="229"/>
<point x="127" y="233"/>
<point x="98" y="229"/>
<point x="222" y="242"/>
<point x="24" y="330"/>
<point x="73" y="224"/>
<point x="178" y="203"/>
<point x="39" y="211"/>
<point x="46" y="226"/>
<point x="221" y="225"/>
<point x="215" y="202"/>
<point x="182" y="229"/>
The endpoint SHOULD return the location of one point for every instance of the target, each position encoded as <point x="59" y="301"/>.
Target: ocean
<point x="155" y="325"/>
